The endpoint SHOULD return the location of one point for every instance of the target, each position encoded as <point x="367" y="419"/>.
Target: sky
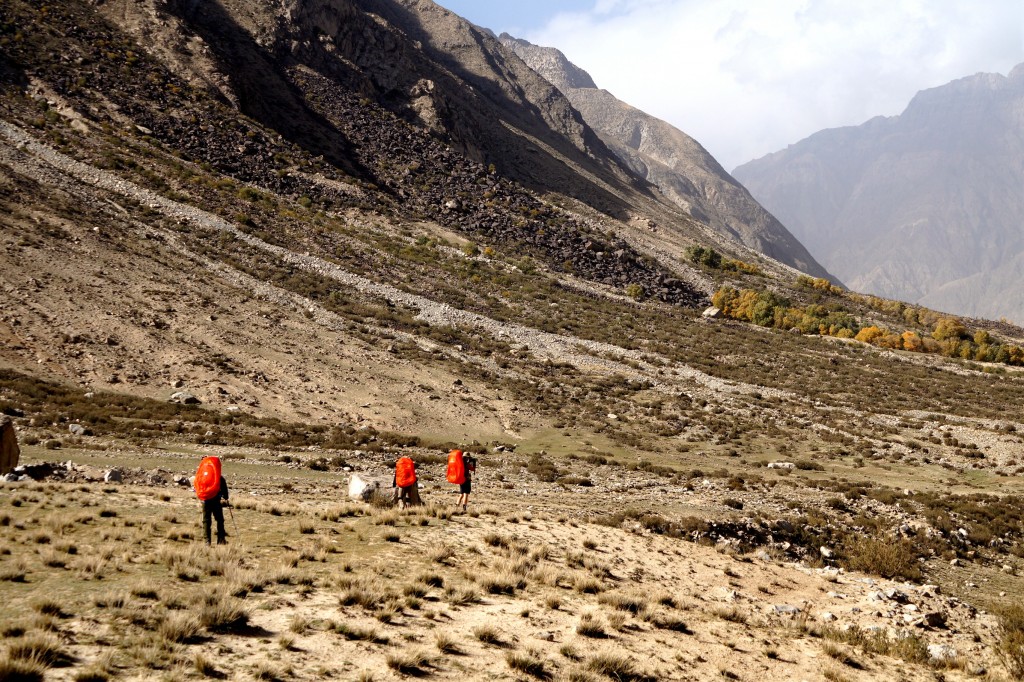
<point x="748" y="77"/>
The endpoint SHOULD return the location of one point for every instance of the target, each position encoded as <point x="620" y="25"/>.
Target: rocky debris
<point x="78" y="430"/>
<point x="712" y="313"/>
<point x="781" y="465"/>
<point x="785" y="610"/>
<point x="362" y="489"/>
<point x="71" y="472"/>
<point x="184" y="398"/>
<point x="941" y="652"/>
<point x="9" y="450"/>
<point x="934" y="619"/>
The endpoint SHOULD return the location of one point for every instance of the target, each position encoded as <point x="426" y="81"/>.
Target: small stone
<point x="77" y="430"/>
<point x="941" y="652"/>
<point x="786" y="609"/>
<point x="827" y="617"/>
<point x="935" y="619"/>
<point x="897" y="596"/>
<point x="185" y="398"/>
<point x="113" y="476"/>
<point x="826" y="552"/>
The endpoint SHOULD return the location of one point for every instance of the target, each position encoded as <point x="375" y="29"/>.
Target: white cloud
<point x="748" y="77"/>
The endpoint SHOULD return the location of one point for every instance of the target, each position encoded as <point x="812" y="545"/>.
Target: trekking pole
<point x="231" y="510"/>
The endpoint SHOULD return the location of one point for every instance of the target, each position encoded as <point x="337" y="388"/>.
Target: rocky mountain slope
<point x="923" y="207"/>
<point x="670" y="159"/>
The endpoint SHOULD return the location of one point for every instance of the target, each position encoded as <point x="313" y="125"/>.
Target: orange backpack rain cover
<point x="456" y="468"/>
<point x="405" y="472"/>
<point x="207" y="483"/>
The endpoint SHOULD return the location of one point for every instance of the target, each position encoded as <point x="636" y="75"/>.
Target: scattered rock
<point x="781" y="465"/>
<point x="826" y="553"/>
<point x="184" y="398"/>
<point x="896" y="596"/>
<point x="941" y="652"/>
<point x="712" y="313"/>
<point x="935" y="619"/>
<point x="113" y="476"/>
<point x="786" y="609"/>
<point x="78" y="430"/>
<point x="362" y="489"/>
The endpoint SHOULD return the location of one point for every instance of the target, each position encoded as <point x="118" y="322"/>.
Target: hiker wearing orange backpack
<point x="211" y="488"/>
<point x="406" y="492"/>
<point x="460" y="470"/>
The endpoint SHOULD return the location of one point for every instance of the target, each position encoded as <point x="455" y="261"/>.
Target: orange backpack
<point x="405" y="472"/>
<point x="207" y="483"/>
<point x="456" y="468"/>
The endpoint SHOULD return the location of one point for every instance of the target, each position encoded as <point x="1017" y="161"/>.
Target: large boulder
<point x="360" y="488"/>
<point x="9" y="451"/>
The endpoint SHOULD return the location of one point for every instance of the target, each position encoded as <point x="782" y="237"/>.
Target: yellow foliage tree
<point x="869" y="334"/>
<point x="912" y="342"/>
<point x="949" y="328"/>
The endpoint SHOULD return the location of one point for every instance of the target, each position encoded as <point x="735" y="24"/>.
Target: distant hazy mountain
<point x="670" y="159"/>
<point x="926" y="207"/>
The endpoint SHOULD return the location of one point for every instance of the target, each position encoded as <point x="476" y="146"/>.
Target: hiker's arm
<point x="224" y="488"/>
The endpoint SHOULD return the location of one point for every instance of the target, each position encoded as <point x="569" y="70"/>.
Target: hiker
<point x="460" y="470"/>
<point x="211" y="487"/>
<point x="405" y="483"/>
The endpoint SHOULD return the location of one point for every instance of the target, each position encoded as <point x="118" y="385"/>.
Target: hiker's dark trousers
<point x="216" y="510"/>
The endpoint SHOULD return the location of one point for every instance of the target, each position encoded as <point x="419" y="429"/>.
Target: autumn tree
<point x="912" y="342"/>
<point x="949" y="328"/>
<point x="869" y="334"/>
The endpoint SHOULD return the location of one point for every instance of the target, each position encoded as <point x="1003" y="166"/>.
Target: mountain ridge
<point x="917" y="207"/>
<point x="669" y="158"/>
